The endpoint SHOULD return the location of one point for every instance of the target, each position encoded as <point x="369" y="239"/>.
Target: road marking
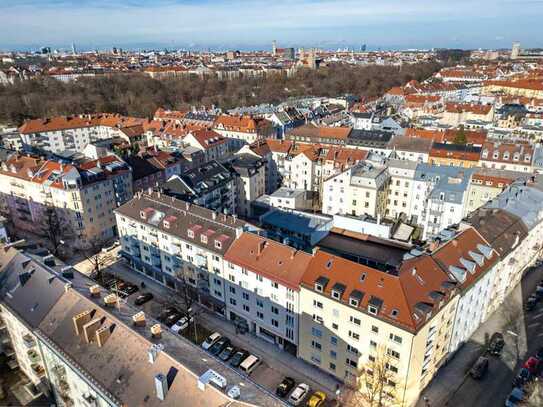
<point x="540" y="334"/>
<point x="534" y="324"/>
<point x="538" y="315"/>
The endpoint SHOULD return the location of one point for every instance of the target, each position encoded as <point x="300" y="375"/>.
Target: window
<point x="393" y="353"/>
<point x="333" y="354"/>
<point x="317" y="304"/>
<point x="232" y="290"/>
<point x="316" y="345"/>
<point x="335" y="326"/>
<point x="232" y="301"/>
<point x="373" y="344"/>
<point x="392" y="368"/>
<point x="260" y="315"/>
<point x="316" y="332"/>
<point x="275" y="323"/>
<point x="333" y="340"/>
<point x="355" y="321"/>
<point x="232" y="278"/>
<point x="374" y="329"/>
<point x="274" y="284"/>
<point x="246" y="296"/>
<point x="218" y="245"/>
<point x="246" y="308"/>
<point x="351" y="363"/>
<point x="354" y="335"/>
<point x="259" y="304"/>
<point x="317" y="318"/>
<point x="190" y="233"/>
<point x="275" y="310"/>
<point x="372" y="309"/>
<point x="352" y="349"/>
<point x="395" y="338"/>
<point x="371" y="358"/>
<point x="259" y="278"/>
<point x="332" y="366"/>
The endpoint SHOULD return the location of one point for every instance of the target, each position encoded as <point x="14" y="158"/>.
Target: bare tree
<point x="54" y="228"/>
<point x="374" y="385"/>
<point x="512" y="319"/>
<point x="92" y="250"/>
<point x="186" y="295"/>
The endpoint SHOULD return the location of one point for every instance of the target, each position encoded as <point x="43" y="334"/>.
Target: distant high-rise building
<point x="74" y="51"/>
<point x="515" y="50"/>
<point x="363" y="48"/>
<point x="274" y="48"/>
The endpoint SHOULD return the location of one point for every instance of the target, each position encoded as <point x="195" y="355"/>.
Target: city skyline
<point x="225" y="24"/>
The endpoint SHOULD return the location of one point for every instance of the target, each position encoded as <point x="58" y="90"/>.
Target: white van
<point x="249" y="364"/>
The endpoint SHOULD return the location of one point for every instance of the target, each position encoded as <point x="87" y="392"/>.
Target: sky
<point x="253" y="24"/>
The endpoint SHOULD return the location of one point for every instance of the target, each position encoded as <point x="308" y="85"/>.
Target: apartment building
<point x="486" y="184"/>
<point x="400" y="187"/>
<point x="213" y="145"/>
<point x="80" y="346"/>
<point x="361" y="189"/>
<point x="439" y="197"/>
<point x="262" y="285"/>
<point x="82" y="195"/>
<point x="261" y="149"/>
<point x="411" y="148"/>
<point x="176" y="242"/>
<point x="61" y="133"/>
<point x="470" y="260"/>
<point x="507" y="156"/>
<point x="354" y="319"/>
<point x="243" y="129"/>
<point x="459" y="155"/>
<point x="456" y="114"/>
<point x="210" y="185"/>
<point x="250" y="181"/>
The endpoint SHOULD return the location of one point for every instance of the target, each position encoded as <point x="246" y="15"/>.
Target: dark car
<point x="496" y="344"/>
<point x="479" y="369"/>
<point x="130" y="289"/>
<point x="218" y="346"/>
<point x="285" y="387"/>
<point x="172" y="318"/>
<point x="539" y="354"/>
<point x="227" y="353"/>
<point x="166" y="312"/>
<point x="530" y="303"/>
<point x="238" y="357"/>
<point x="143" y="298"/>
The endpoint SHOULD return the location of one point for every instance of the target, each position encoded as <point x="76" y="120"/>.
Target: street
<point x="453" y="386"/>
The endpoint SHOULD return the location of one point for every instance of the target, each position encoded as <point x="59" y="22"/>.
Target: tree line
<point x="140" y="95"/>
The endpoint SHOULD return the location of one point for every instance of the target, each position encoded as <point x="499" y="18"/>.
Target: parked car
<point x="539" y="353"/>
<point x="285" y="387"/>
<point x="181" y="325"/>
<point x="166" y="312"/>
<point x="532" y="364"/>
<point x="210" y="340"/>
<point x="515" y="397"/>
<point x="130" y="289"/>
<point x="218" y="346"/>
<point x="143" y="298"/>
<point x="298" y="394"/>
<point x="496" y="344"/>
<point x="238" y="357"/>
<point x="227" y="353"/>
<point x="479" y="368"/>
<point x="317" y="399"/>
<point x="173" y="318"/>
<point x="531" y="303"/>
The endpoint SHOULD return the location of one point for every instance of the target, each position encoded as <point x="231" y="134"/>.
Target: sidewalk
<point x="274" y="357"/>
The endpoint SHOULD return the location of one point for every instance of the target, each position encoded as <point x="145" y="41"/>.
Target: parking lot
<point x="275" y="365"/>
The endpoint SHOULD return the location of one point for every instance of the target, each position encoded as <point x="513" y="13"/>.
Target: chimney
<point x="156" y="331"/>
<point x="110" y="299"/>
<point x="161" y="386"/>
<point x="139" y="318"/>
<point x="292" y="254"/>
<point x="103" y="334"/>
<point x="214" y="215"/>
<point x="90" y="328"/>
<point x="94" y="290"/>
<point x="80" y="320"/>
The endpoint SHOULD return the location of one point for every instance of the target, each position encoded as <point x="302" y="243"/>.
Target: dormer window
<point x="394" y="313"/>
<point x="337" y="291"/>
<point x="516" y="156"/>
<point x="166" y="224"/>
<point x="320" y="284"/>
<point x="203" y="239"/>
<point x="353" y="302"/>
<point x="190" y="233"/>
<point x="372" y="310"/>
<point x="218" y="244"/>
<point x="496" y="155"/>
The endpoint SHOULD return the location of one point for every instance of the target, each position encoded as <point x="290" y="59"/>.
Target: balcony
<point x="200" y="260"/>
<point x="38" y="370"/>
<point x="33" y="356"/>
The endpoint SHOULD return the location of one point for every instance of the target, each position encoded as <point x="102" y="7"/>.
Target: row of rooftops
<point x="405" y="296"/>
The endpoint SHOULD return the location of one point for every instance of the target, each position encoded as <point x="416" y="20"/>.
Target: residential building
<point x="361" y="189"/>
<point x="243" y="129"/>
<point x="250" y="181"/>
<point x="400" y="188"/>
<point x="211" y="185"/>
<point x="175" y="242"/>
<point x="82" y="196"/>
<point x="287" y="198"/>
<point x="355" y="318"/>
<point x="213" y="145"/>
<point x="262" y="284"/>
<point x="362" y="120"/>
<point x="460" y="155"/>
<point x="411" y="148"/>
<point x="66" y="344"/>
<point x="507" y="156"/>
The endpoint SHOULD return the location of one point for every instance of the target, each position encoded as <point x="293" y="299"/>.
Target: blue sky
<point x="254" y="23"/>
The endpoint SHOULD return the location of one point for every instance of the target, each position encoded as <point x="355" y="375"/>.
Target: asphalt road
<point x="452" y="386"/>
